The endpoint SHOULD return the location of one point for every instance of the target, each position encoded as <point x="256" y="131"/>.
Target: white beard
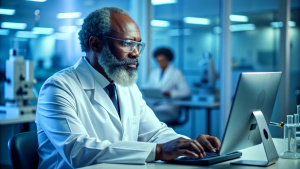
<point x="115" y="69"/>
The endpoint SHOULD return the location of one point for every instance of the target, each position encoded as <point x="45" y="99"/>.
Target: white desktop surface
<point x="6" y="119"/>
<point x="252" y="153"/>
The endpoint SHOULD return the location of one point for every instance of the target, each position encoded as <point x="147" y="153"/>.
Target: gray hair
<point x="97" y="23"/>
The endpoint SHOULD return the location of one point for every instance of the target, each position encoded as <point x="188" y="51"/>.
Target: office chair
<point x="22" y="150"/>
<point x="179" y="121"/>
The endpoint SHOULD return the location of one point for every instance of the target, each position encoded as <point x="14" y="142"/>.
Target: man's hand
<point x="209" y="142"/>
<point x="179" y="147"/>
<point x="166" y="94"/>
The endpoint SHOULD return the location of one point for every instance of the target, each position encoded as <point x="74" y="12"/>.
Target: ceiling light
<point x="67" y="29"/>
<point x="160" y="23"/>
<point x="37" y="0"/>
<point x="280" y="24"/>
<point x="7" y="11"/>
<point x="239" y="18"/>
<point x="4" y="31"/>
<point x="25" y="34"/>
<point x="68" y="15"/>
<point x="242" y="27"/>
<point x="194" y="20"/>
<point x="161" y="2"/>
<point x="42" y="30"/>
<point x="13" y="25"/>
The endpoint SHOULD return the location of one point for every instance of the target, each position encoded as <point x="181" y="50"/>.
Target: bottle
<point x="289" y="139"/>
<point x="297" y="126"/>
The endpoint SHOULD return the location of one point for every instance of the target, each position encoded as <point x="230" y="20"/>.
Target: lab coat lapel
<point x="84" y="74"/>
<point x="103" y="99"/>
<point x="88" y="82"/>
<point x="125" y="104"/>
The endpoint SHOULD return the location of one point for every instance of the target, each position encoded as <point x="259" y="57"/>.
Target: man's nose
<point x="135" y="53"/>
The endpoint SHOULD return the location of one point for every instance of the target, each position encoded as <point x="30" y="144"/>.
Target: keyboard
<point x="210" y="158"/>
<point x="208" y="155"/>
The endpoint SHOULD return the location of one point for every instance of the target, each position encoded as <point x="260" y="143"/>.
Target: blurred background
<point x="254" y="41"/>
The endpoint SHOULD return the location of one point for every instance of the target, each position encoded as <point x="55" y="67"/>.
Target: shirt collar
<point x="100" y="79"/>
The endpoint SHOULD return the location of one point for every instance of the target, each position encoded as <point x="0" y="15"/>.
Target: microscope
<point x="18" y="86"/>
<point x="205" y="88"/>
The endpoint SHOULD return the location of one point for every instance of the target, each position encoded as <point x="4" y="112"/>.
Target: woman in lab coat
<point x="171" y="82"/>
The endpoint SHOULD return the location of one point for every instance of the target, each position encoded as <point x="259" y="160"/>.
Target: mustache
<point x="128" y="62"/>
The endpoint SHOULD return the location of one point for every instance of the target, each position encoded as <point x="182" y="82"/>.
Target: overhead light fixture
<point x="67" y="29"/>
<point x="162" y="2"/>
<point x="68" y="15"/>
<point x="25" y="34"/>
<point x="242" y="27"/>
<point x="7" y="11"/>
<point x="239" y="18"/>
<point x="160" y="23"/>
<point x="280" y="24"/>
<point x="42" y="30"/>
<point x="194" y="20"/>
<point x="13" y="25"/>
<point x="37" y="0"/>
<point x="4" y="31"/>
<point x="235" y="28"/>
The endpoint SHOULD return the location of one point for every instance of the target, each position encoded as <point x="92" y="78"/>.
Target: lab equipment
<point x="277" y="124"/>
<point x="205" y="89"/>
<point x="289" y="139"/>
<point x="297" y="125"/>
<point x="18" y="86"/>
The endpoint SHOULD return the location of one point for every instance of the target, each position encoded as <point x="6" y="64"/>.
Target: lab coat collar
<point x="84" y="74"/>
<point x="88" y="82"/>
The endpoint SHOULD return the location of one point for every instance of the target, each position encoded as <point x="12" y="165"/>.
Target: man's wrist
<point x="158" y="152"/>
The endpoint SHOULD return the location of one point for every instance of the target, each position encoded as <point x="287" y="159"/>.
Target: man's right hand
<point x="179" y="147"/>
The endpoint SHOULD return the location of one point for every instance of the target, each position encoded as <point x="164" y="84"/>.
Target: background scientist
<point x="171" y="82"/>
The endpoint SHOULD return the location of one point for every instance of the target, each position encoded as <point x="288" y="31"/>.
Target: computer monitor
<point x="250" y="115"/>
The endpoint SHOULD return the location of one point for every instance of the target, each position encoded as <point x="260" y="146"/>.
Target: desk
<point x="8" y="128"/>
<point x="187" y="105"/>
<point x="252" y="153"/>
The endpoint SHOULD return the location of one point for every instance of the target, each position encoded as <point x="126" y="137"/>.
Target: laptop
<point x="255" y="94"/>
<point x="154" y="93"/>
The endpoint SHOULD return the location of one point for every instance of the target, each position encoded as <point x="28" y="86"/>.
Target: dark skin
<point x="123" y="27"/>
<point x="163" y="63"/>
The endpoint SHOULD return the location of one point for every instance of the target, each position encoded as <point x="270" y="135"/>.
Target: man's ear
<point x="96" y="44"/>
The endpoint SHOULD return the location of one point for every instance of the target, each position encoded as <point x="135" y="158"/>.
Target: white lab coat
<point x="172" y="81"/>
<point x="78" y="124"/>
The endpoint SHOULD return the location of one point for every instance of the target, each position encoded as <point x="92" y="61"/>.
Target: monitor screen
<point x="255" y="92"/>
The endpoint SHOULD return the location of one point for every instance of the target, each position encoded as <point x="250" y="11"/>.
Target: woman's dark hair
<point x="164" y="51"/>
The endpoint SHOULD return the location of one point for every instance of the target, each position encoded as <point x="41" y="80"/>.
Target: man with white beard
<point x="93" y="112"/>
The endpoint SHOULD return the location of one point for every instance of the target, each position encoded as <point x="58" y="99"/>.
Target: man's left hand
<point x="209" y="142"/>
<point x="166" y="94"/>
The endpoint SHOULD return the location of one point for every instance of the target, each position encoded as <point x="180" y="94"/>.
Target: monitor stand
<point x="269" y="147"/>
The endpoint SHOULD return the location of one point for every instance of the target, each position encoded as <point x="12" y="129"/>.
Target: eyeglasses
<point x="129" y="45"/>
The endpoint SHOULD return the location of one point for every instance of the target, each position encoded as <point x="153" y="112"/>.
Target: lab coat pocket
<point x="133" y="130"/>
